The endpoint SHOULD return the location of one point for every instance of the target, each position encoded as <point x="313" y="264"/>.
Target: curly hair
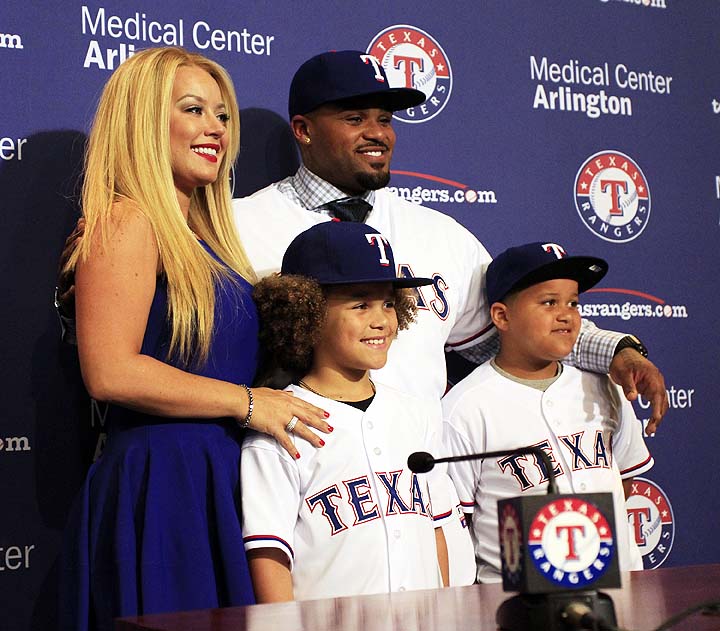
<point x="292" y="311"/>
<point x="405" y="307"/>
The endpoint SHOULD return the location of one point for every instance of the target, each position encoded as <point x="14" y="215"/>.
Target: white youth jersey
<point x="350" y="516"/>
<point x="582" y="421"/>
<point x="452" y="312"/>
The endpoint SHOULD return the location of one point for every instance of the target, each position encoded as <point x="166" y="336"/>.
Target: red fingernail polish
<point x="330" y="428"/>
<point x="327" y="414"/>
<point x="297" y="455"/>
<point x="322" y="442"/>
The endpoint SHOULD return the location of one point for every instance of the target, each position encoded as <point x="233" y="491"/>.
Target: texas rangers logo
<point x="413" y="59"/>
<point x="510" y="542"/>
<point x="651" y="520"/>
<point x="376" y="239"/>
<point x="612" y="196"/>
<point x="570" y="542"/>
<point x="554" y="248"/>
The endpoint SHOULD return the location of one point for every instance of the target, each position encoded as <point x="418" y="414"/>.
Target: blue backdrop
<point x="592" y="123"/>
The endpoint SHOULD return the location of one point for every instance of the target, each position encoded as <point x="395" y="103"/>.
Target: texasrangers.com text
<point x="627" y="310"/>
<point x="420" y="194"/>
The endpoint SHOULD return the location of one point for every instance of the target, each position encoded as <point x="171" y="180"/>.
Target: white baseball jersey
<point x="351" y="517"/>
<point x="426" y="243"/>
<point x="582" y="421"/>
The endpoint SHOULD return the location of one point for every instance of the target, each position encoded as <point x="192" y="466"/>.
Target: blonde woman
<point x="167" y="333"/>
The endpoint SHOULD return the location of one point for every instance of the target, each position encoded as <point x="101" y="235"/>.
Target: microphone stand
<point x="429" y="462"/>
<point x="546" y="611"/>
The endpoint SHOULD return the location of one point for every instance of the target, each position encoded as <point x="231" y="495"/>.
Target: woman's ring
<point x="291" y="425"/>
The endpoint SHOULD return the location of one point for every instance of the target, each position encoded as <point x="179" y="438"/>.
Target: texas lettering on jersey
<point x="432" y="297"/>
<point x="580" y="454"/>
<point x="355" y="498"/>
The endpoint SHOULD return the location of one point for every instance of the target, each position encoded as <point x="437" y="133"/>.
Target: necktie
<point x="349" y="209"/>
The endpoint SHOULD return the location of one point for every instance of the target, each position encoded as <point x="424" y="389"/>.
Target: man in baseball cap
<point x="340" y="108"/>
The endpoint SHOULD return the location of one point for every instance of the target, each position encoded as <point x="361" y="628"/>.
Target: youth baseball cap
<point x="525" y="265"/>
<point x="341" y="75"/>
<point x="344" y="253"/>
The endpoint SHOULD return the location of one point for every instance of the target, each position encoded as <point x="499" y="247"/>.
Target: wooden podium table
<point x="645" y="601"/>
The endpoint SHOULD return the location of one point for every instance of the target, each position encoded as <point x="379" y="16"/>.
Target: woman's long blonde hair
<point x="128" y="156"/>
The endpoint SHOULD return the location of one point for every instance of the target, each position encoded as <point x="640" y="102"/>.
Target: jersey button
<point x="369" y="425"/>
<point x="377" y="451"/>
<point x="549" y="404"/>
<point x="401" y="589"/>
<point x="397" y="534"/>
<point x="583" y="486"/>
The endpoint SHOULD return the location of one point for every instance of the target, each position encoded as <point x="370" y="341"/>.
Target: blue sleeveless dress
<point x="157" y="525"/>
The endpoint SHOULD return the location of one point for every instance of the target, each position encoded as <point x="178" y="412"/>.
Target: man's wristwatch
<point x="630" y="341"/>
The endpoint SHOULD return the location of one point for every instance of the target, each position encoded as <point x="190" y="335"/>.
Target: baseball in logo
<point x="571" y="542"/>
<point x="612" y="196"/>
<point x="651" y="521"/>
<point x="412" y="58"/>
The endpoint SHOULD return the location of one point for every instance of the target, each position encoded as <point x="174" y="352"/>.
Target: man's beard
<point x="372" y="181"/>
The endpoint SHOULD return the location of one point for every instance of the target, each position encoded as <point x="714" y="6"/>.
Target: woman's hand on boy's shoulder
<point x="274" y="410"/>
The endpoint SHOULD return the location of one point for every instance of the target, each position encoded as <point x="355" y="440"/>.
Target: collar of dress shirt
<point x="310" y="191"/>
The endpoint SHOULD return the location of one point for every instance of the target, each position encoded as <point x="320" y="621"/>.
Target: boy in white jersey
<point x="526" y="396"/>
<point x="350" y="518"/>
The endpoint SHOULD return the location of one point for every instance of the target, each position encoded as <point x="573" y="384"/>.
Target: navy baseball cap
<point x="525" y="265"/>
<point x="344" y="253"/>
<point x="345" y="74"/>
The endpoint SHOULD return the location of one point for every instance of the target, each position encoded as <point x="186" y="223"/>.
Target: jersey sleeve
<point x="628" y="445"/>
<point x="463" y="434"/>
<point x="473" y="323"/>
<point x="438" y="480"/>
<point x="270" y="487"/>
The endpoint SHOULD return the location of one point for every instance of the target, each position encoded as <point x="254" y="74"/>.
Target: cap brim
<point x="400" y="283"/>
<point x="588" y="271"/>
<point x="393" y="98"/>
<point x="403" y="98"/>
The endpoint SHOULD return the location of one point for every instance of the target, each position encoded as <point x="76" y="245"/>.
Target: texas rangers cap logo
<point x="651" y="521"/>
<point x="413" y="58"/>
<point x="571" y="542"/>
<point x="612" y="196"/>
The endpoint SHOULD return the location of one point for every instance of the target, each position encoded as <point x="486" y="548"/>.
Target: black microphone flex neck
<point x="422" y="461"/>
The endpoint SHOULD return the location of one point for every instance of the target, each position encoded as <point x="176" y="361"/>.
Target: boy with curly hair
<point x="351" y="518"/>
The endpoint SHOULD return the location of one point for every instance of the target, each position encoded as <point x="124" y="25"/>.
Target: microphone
<point x="422" y="461"/>
<point x="554" y="549"/>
